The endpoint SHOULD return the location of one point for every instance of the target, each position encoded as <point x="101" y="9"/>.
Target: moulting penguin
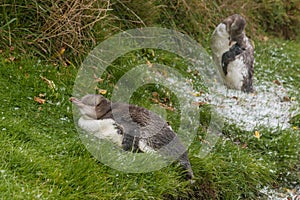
<point x="131" y="127"/>
<point x="233" y="53"/>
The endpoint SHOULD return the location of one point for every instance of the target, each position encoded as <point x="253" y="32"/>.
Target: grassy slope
<point x="41" y="155"/>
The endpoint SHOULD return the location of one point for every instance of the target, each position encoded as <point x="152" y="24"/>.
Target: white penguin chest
<point x="236" y="73"/>
<point x="102" y="129"/>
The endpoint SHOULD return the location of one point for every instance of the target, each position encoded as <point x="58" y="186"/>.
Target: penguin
<point x="131" y="128"/>
<point x="233" y="53"/>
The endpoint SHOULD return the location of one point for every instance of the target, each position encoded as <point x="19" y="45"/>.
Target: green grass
<point x="42" y="156"/>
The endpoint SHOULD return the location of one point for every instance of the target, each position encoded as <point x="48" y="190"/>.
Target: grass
<point x="42" y="156"/>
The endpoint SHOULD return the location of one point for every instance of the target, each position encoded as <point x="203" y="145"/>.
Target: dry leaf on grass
<point x="98" y="80"/>
<point x="149" y="63"/>
<point x="257" y="134"/>
<point x="199" y="103"/>
<point x="277" y="82"/>
<point x="162" y="104"/>
<point x="39" y="100"/>
<point x="286" y="99"/>
<point x="49" y="83"/>
<point x="102" y="91"/>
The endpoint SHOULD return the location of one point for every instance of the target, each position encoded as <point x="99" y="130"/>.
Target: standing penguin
<point x="233" y="53"/>
<point x="131" y="127"/>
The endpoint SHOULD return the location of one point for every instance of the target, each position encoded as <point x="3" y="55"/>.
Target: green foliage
<point x="50" y="27"/>
<point x="67" y="30"/>
<point x="42" y="156"/>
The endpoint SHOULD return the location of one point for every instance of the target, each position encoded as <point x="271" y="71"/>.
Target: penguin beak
<point x="85" y="110"/>
<point x="76" y="101"/>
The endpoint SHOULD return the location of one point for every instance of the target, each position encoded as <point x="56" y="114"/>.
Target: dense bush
<point x="53" y="26"/>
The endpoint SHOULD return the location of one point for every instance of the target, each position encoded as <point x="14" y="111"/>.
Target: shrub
<point x="53" y="26"/>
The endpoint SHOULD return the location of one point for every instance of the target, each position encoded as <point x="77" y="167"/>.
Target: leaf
<point x="200" y="103"/>
<point x="155" y="94"/>
<point x="196" y="94"/>
<point x="62" y="50"/>
<point x="39" y="100"/>
<point x="12" y="58"/>
<point x="98" y="80"/>
<point x="162" y="104"/>
<point x="257" y="134"/>
<point x="286" y="99"/>
<point x="102" y="91"/>
<point x="49" y="83"/>
<point x="277" y="82"/>
<point x="149" y="63"/>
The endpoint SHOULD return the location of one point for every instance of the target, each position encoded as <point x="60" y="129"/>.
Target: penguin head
<point x="235" y="26"/>
<point x="92" y="106"/>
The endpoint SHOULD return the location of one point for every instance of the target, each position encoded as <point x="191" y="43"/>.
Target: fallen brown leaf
<point x="154" y="94"/>
<point x="162" y="104"/>
<point x="149" y="63"/>
<point x="98" y="80"/>
<point x="49" y="82"/>
<point x="154" y="100"/>
<point x="199" y="103"/>
<point x="286" y="98"/>
<point x="12" y="58"/>
<point x="39" y="100"/>
<point x="277" y="82"/>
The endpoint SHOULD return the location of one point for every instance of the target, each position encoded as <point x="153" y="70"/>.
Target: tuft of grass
<point x="53" y="29"/>
<point x="67" y="31"/>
